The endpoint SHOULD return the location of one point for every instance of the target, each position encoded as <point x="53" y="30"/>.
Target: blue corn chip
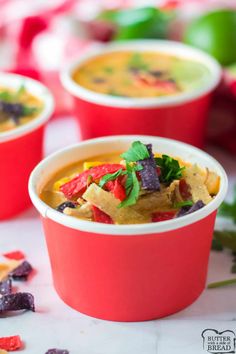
<point x="22" y="272"/>
<point x="186" y="210"/>
<point x="149" y="176"/>
<point x="16" y="302"/>
<point x="57" y="351"/>
<point x="5" y="287"/>
<point x="13" y="110"/>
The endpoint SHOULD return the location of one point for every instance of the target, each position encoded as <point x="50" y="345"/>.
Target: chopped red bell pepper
<point x="77" y="185"/>
<point x="144" y="80"/>
<point x="10" y="343"/>
<point x="163" y="215"/>
<point x="184" y="189"/>
<point x="158" y="171"/>
<point x="117" y="189"/>
<point x="16" y="255"/>
<point x="167" y="86"/>
<point x="100" y="216"/>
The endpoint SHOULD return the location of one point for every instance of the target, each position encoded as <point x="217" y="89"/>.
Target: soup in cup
<point x="108" y="267"/>
<point x="25" y="107"/>
<point x="152" y="87"/>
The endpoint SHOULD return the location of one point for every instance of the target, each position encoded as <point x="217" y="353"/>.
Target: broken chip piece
<point x="17" y="255"/>
<point x="6" y="268"/>
<point x="10" y="343"/>
<point x="2" y="351"/>
<point x="186" y="210"/>
<point x="5" y="287"/>
<point x="16" y="302"/>
<point x="22" y="271"/>
<point x="57" y="351"/>
<point x="149" y="176"/>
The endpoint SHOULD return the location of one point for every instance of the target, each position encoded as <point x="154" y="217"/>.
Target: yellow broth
<point x="140" y="74"/>
<point x="49" y="193"/>
<point x="204" y="185"/>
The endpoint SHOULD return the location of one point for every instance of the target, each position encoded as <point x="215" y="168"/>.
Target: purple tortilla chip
<point x="57" y="351"/>
<point x="16" y="302"/>
<point x="149" y="176"/>
<point x="22" y="272"/>
<point x="5" y="287"/>
<point x="186" y="210"/>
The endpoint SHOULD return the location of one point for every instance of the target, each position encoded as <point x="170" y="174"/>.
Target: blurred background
<point x="38" y="37"/>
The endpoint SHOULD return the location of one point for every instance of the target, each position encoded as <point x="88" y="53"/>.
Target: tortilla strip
<point x="195" y="180"/>
<point x="154" y="201"/>
<point x="106" y="202"/>
<point x="8" y="267"/>
<point x="82" y="212"/>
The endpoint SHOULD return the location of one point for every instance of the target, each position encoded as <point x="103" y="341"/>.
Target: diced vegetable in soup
<point x="137" y="186"/>
<point x="17" y="107"/>
<point x="140" y="74"/>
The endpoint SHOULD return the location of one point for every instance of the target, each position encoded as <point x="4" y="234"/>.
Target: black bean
<point x="156" y="73"/>
<point x="134" y="70"/>
<point x="171" y="80"/>
<point x="64" y="205"/>
<point x="98" y="80"/>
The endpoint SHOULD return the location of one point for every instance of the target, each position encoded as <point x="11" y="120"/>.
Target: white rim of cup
<point x="14" y="81"/>
<point x="133" y="229"/>
<point x="169" y="47"/>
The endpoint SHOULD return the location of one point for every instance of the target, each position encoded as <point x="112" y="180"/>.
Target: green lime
<point x="143" y="22"/>
<point x="231" y="69"/>
<point x="215" y="33"/>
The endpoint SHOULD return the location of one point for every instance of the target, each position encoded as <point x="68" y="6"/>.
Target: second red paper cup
<point x="182" y="117"/>
<point x="21" y="148"/>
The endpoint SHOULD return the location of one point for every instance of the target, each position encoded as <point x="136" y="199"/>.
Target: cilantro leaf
<point x="183" y="204"/>
<point x="27" y="111"/>
<point x="108" y="69"/>
<point x="229" y="209"/>
<point x="170" y="168"/>
<point x="227" y="238"/>
<point x="5" y="96"/>
<point x="220" y="284"/>
<point x="129" y="183"/>
<point x="216" y="245"/>
<point x="12" y="96"/>
<point x="137" y="62"/>
<point x="137" y="168"/>
<point x="138" y="151"/>
<point x="20" y="91"/>
<point x="110" y="177"/>
<point x="132" y="187"/>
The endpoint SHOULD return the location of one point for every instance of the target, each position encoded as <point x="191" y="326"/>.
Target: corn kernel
<point x="60" y="182"/>
<point x="89" y="164"/>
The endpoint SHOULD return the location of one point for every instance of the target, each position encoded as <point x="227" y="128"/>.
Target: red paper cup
<point x="127" y="272"/>
<point x="21" y="149"/>
<point x="182" y="117"/>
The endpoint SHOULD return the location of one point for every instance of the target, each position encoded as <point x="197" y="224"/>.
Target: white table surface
<point x="56" y="325"/>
